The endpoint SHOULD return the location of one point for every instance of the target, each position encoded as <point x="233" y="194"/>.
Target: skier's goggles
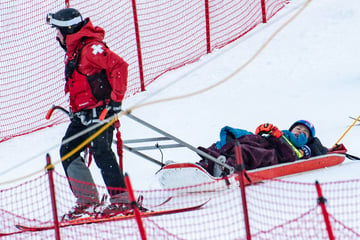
<point x="62" y="23"/>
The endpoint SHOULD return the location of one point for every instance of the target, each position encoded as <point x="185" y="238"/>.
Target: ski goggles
<point x="62" y="23"/>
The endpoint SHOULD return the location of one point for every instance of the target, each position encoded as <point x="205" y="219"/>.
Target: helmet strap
<point x="62" y="45"/>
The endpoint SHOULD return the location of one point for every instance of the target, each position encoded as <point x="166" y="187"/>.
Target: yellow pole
<point x="347" y="130"/>
<point x="298" y="153"/>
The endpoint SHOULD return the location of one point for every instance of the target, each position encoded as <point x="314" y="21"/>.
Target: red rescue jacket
<point x="94" y="56"/>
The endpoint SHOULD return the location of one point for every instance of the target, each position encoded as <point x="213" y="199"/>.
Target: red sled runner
<point x="185" y="174"/>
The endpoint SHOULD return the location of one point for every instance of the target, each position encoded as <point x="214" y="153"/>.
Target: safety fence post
<point x="135" y="207"/>
<point x="321" y="201"/>
<point x="263" y="11"/>
<point x="240" y="170"/>
<point x="207" y="23"/>
<point x="50" y="169"/>
<point x="137" y="35"/>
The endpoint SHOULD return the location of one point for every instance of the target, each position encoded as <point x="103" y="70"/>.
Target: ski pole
<point x="351" y="157"/>
<point x="354" y="119"/>
<point x="347" y="130"/>
<point x="298" y="152"/>
<point x="268" y="128"/>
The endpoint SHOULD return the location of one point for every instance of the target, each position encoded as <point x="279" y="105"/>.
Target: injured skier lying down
<point x="268" y="146"/>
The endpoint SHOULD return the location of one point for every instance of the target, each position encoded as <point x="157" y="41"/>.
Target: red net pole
<point x="240" y="170"/>
<point x="137" y="34"/>
<point x="67" y="3"/>
<point x="263" y="10"/>
<point x="135" y="208"/>
<point x="207" y="19"/>
<point x="50" y="169"/>
<point x="321" y="202"/>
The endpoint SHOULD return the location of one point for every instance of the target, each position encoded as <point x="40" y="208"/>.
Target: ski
<point x="163" y="202"/>
<point x="90" y="220"/>
<point x="139" y="204"/>
<point x="8" y="234"/>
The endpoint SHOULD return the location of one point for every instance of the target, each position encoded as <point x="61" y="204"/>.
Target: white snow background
<point x="306" y="69"/>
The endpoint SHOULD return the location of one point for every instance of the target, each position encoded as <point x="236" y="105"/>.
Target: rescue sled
<point x="176" y="175"/>
<point x="185" y="174"/>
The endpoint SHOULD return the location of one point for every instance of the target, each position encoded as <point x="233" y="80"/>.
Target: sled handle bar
<point x="196" y="150"/>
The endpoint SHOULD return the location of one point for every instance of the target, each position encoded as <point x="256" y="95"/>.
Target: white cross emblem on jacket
<point x="97" y="49"/>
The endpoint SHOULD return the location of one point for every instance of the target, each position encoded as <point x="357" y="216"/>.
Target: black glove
<point x="114" y="107"/>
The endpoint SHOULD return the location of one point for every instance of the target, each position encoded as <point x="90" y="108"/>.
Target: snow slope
<point x="308" y="70"/>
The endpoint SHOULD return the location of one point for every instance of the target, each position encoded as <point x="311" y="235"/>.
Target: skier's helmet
<point x="68" y="20"/>
<point x="305" y="123"/>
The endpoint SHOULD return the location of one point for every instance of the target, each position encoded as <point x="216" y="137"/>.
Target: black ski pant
<point x="76" y="169"/>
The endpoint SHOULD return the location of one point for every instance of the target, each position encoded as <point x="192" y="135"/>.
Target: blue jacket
<point x="298" y="142"/>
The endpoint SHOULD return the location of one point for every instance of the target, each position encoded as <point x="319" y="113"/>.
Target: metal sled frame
<point x="166" y="137"/>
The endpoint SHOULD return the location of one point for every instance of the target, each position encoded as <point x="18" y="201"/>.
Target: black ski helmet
<point x="67" y="20"/>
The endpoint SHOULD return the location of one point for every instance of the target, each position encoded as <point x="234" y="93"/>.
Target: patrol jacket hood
<point x="88" y="31"/>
